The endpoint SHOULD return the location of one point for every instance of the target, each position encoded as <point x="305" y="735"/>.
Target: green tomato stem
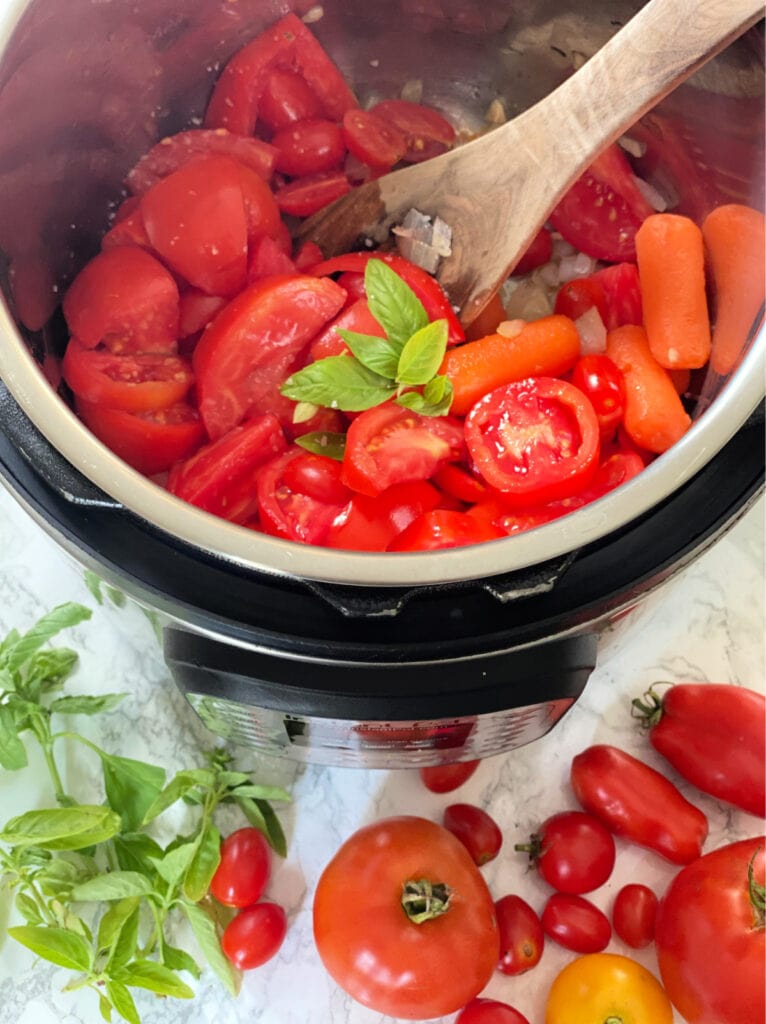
<point x="757" y="894"/>
<point x="423" y="900"/>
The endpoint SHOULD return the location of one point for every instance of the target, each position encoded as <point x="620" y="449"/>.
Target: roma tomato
<point x="254" y="935"/>
<point x="444" y="778"/>
<point x="309" y="147"/>
<point x="633" y="915"/>
<point x="243" y="871"/>
<point x="598" y="378"/>
<point x="573" y="852"/>
<point x="606" y="987"/>
<point x="490" y="1011"/>
<point x="535" y="440"/>
<point x="521" y="935"/>
<point x="300" y="495"/>
<point x="434" y="942"/>
<point x="576" y="923"/>
<point x="712" y="734"/>
<point x="636" y="802"/>
<point x="475" y="829"/>
<point x="444" y="528"/>
<point x="710" y="936"/>
<point x="135" y="383"/>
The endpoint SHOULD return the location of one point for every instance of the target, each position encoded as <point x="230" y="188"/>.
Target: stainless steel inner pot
<point x="86" y="87"/>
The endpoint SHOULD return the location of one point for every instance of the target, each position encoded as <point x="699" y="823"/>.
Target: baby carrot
<point x="736" y="250"/>
<point x="548" y="347"/>
<point x="671" y="269"/>
<point x="654" y="416"/>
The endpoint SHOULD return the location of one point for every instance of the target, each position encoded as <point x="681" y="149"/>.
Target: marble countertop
<point x="705" y="624"/>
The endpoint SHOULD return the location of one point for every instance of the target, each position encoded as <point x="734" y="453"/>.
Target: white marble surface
<point x="707" y="624"/>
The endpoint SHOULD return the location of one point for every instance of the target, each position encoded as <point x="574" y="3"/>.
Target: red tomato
<point x="304" y="196"/>
<point x="540" y="251"/>
<point x="136" y="383"/>
<point x="521" y="935"/>
<point x="622" y="290"/>
<point x="286" y="99"/>
<point x="220" y="477"/>
<point x="369" y="924"/>
<point x="710" y="937"/>
<point x="598" y="378"/>
<point x="602" y="211"/>
<point x="128" y="230"/>
<point x="490" y="1011"/>
<point x="243" y="871"/>
<point x="304" y="511"/>
<point x="356" y="317"/>
<point x="309" y="147"/>
<point x="261" y="210"/>
<point x="266" y="258"/>
<point x="444" y="528"/>
<point x="578" y="296"/>
<point x="633" y="915"/>
<point x="370" y="524"/>
<point x="150" y="442"/>
<point x="254" y="936"/>
<point x="389" y="444"/>
<point x="535" y="440"/>
<point x="373" y="140"/>
<point x="197" y="310"/>
<point x="576" y="924"/>
<point x="425" y="131"/>
<point x="307" y="256"/>
<point x="573" y="852"/>
<point x="196" y="220"/>
<point x="636" y="802"/>
<point x="443" y="778"/>
<point x="241" y="357"/>
<point x="614" y="471"/>
<point x="460" y="484"/>
<point x="475" y="829"/>
<point x="126" y="299"/>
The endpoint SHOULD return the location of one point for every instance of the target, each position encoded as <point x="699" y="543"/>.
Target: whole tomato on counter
<point x="572" y="851"/>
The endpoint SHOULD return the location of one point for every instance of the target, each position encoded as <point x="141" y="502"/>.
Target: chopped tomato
<point x="135" y="383"/>
<point x="356" y="317"/>
<point x="370" y="524"/>
<point x="286" y="99"/>
<point x="425" y="131"/>
<point x="372" y="139"/>
<point x="197" y="311"/>
<point x="578" y="296"/>
<point x="389" y="444"/>
<point x="307" y="256"/>
<point x="304" y="196"/>
<point x="536" y="440"/>
<point x="266" y="258"/>
<point x="540" y="251"/>
<point x="300" y="495"/>
<point x="261" y="210"/>
<point x="443" y="528"/>
<point x="127" y="230"/>
<point x="309" y="147"/>
<point x="622" y="292"/>
<point x="598" y="378"/>
<point x="460" y="484"/>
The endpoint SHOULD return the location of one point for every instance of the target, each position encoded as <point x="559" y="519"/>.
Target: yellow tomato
<point x="604" y="988"/>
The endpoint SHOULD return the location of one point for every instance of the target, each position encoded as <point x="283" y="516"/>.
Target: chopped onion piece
<point x="578" y="265"/>
<point x="592" y="332"/>
<point x="633" y="146"/>
<point x="412" y="90"/>
<point x="653" y="196"/>
<point x="315" y="13"/>
<point x="526" y="299"/>
<point x="561" y="248"/>
<point x="548" y="273"/>
<point x="511" y="328"/>
<point x="422" y="242"/>
<point x="496" y="112"/>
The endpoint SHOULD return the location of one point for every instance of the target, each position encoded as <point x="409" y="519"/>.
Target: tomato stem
<point x="648" y="709"/>
<point x="424" y="900"/>
<point x="613" y="1020"/>
<point x="534" y="848"/>
<point x="757" y="894"/>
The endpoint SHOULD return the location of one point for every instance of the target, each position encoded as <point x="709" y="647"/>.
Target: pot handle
<point x="47" y="462"/>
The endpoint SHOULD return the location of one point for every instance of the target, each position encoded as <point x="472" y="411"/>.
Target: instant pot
<point x="331" y="656"/>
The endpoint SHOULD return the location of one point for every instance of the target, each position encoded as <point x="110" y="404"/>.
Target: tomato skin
<point x="598" y="378"/>
<point x="444" y="778"/>
<point x="355" y="317"/>
<point x="370" y="524"/>
<point x="137" y="383"/>
<point x="633" y="915"/>
<point x="489" y="1011"/>
<point x="605" y="986"/>
<point x="522" y="938"/>
<point x="426" y="132"/>
<point x="391" y="968"/>
<point x="622" y="291"/>
<point x="576" y="924"/>
<point x="460" y="483"/>
<point x="255" y="935"/>
<point x="475" y="829"/>
<point x="373" y="140"/>
<point x="572" y="851"/>
<point x="304" y="196"/>
<point x="710" y="953"/>
<point x="244" y="868"/>
<point x="318" y="477"/>
<point x="300" y="504"/>
<point x="444" y="528"/>
<point x="309" y="147"/>
<point x="286" y="99"/>
<point x="636" y="802"/>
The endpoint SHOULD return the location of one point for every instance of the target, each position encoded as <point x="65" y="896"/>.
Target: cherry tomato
<point x="605" y="987"/>
<point x="444" y="778"/>
<point x="578" y="296"/>
<point x="460" y="484"/>
<point x="373" y="140"/>
<point x="576" y="923"/>
<point x="135" y="383"/>
<point x="710" y="937"/>
<point x="309" y="147"/>
<point x="300" y="512"/>
<point x="304" y="196"/>
<point x="489" y="1011"/>
<point x="598" y="378"/>
<point x="366" y="908"/>
<point x="370" y="524"/>
<point x="540" y="251"/>
<point x="286" y="99"/>
<point x="220" y="477"/>
<point x="244" y="868"/>
<point x="521" y="935"/>
<point x="535" y="440"/>
<point x="622" y="291"/>
<point x="444" y="528"/>
<point x="316" y="476"/>
<point x="633" y="915"/>
<point x="573" y="852"/>
<point x="389" y="444"/>
<point x="426" y="132"/>
<point x="255" y="935"/>
<point x="475" y="829"/>
<point x="126" y="299"/>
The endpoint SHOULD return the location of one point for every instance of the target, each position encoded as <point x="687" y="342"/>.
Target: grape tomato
<point x="444" y="778"/>
<point x="633" y="915"/>
<point x="490" y="1011"/>
<point x="576" y="923"/>
<point x="243" y="871"/>
<point x="254" y="936"/>
<point x="522" y="938"/>
<point x="475" y="829"/>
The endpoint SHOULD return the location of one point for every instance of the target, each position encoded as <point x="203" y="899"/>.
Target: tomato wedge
<point x="135" y="383"/>
<point x="535" y="440"/>
<point x="426" y="133"/>
<point x="389" y="444"/>
<point x="356" y="317"/>
<point x="304" y="196"/>
<point x="370" y="524"/>
<point x="444" y="528"/>
<point x="372" y="139"/>
<point x="300" y="495"/>
<point x="243" y="355"/>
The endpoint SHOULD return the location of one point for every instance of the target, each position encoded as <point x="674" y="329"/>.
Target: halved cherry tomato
<point x="573" y="852"/>
<point x="489" y="1011"/>
<point x="521" y="935"/>
<point x="539" y="251"/>
<point x="633" y="914"/>
<point x="443" y="778"/>
<point x="296" y="512"/>
<point x="598" y="378"/>
<point x="603" y="987"/>
<point x="372" y="139"/>
<point x="126" y="299"/>
<point x="243" y="871"/>
<point x="444" y="528"/>
<point x="356" y="317"/>
<point x="318" y="477"/>
<point x="309" y="147"/>
<point x="475" y="829"/>
<point x="370" y="524"/>
<point x="460" y="484"/>
<point x="135" y="383"/>
<point x="576" y="923"/>
<point x="242" y="356"/>
<point x="578" y="296"/>
<point x="535" y="440"/>
<point x="304" y="196"/>
<point x="286" y="99"/>
<point x="150" y="442"/>
<point x="622" y="290"/>
<point x="389" y="444"/>
<point x="254" y="935"/>
<point x="426" y="132"/>
<point x="220" y="477"/>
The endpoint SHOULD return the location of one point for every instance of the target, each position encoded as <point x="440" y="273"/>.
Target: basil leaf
<point x="59" y="946"/>
<point x="93" y="583"/>
<point x="393" y="303"/>
<point x="262" y="816"/>
<point x="154" y="977"/>
<point x="231" y="779"/>
<point x="48" y="669"/>
<point x="28" y="909"/>
<point x="423" y="404"/>
<point x="105" y="1008"/>
<point x="423" y="354"/>
<point x="206" y="859"/>
<point x="206" y="934"/>
<point x="124" y="948"/>
<point x="174" y="864"/>
<point x="118" y="599"/>
<point x="57" y="878"/>
<point x="377" y="354"/>
<point x="86" y="705"/>
<point x="137" y="852"/>
<point x="180" y="960"/>
<point x="131" y="787"/>
<point x="338" y="382"/>
<point x="262" y="792"/>
<point x="323" y="442"/>
<point x="13" y="754"/>
<point x="122" y="1001"/>
<point x="115" y="885"/>
<point x="62" y="828"/>
<point x="114" y="921"/>
<point x="62" y="617"/>
<point x="178" y="786"/>
<point x="7" y="682"/>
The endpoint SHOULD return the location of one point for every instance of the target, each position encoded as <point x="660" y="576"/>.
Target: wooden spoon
<point x="497" y="191"/>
